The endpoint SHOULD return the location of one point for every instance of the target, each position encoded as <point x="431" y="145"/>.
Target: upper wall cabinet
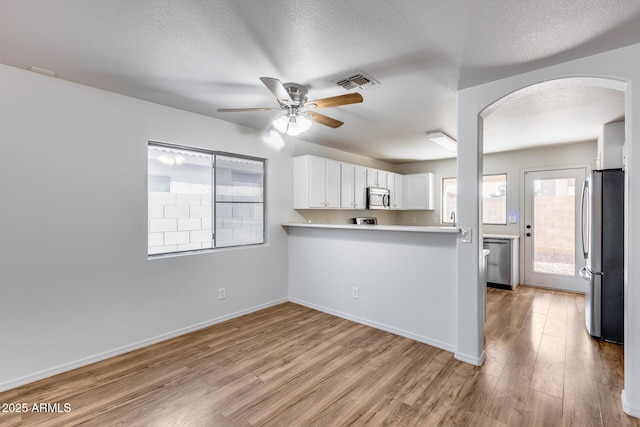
<point x="611" y="146"/>
<point x="418" y="191"/>
<point x="377" y="178"/>
<point x="353" y="186"/>
<point x="320" y="183"/>
<point x="395" y="184"/>
<point x="316" y="183"/>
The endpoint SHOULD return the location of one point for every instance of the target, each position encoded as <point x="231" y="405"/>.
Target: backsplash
<point x="340" y="216"/>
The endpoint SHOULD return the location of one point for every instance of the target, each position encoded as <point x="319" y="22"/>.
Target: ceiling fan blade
<point x="277" y="88"/>
<point x="324" y="120"/>
<point x="237" y="110"/>
<point x="335" y="101"/>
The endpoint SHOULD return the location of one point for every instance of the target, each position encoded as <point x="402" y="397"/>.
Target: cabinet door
<point x="419" y="191"/>
<point x="394" y="181"/>
<point x="400" y="191"/>
<point x="377" y="178"/>
<point x="347" y="185"/>
<point x="353" y="186"/>
<point x="383" y="179"/>
<point x="332" y="184"/>
<point x="372" y="178"/>
<point x="360" y="187"/>
<point x="317" y="182"/>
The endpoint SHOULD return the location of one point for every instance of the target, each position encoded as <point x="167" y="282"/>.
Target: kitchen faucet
<point x="453" y="218"/>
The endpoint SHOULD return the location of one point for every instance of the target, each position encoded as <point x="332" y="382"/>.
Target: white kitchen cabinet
<point x="396" y="187"/>
<point x="418" y="191"/>
<point x="377" y="178"/>
<point x="316" y="183"/>
<point x="353" y="186"/>
<point x="611" y="146"/>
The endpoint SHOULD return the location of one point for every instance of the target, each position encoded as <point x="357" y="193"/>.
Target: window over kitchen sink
<point x="494" y="199"/>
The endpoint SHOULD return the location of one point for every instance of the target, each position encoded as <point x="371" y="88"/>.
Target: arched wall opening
<point x="620" y="69"/>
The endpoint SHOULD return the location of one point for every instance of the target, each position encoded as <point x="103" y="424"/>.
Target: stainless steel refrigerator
<point x="602" y="218"/>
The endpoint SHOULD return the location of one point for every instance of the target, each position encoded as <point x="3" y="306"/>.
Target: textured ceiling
<point x="204" y="55"/>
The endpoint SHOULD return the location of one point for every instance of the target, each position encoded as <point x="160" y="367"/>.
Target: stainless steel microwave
<point x="378" y="198"/>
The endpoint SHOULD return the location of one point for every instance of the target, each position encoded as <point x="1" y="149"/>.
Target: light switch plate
<point x="466" y="235"/>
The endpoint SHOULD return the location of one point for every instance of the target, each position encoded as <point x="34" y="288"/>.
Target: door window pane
<point x="554" y="219"/>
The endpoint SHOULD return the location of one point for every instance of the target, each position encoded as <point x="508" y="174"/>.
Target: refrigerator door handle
<point x="584" y="225"/>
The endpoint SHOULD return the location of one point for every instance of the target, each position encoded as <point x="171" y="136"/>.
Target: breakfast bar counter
<point x="410" y="228"/>
<point x="401" y="279"/>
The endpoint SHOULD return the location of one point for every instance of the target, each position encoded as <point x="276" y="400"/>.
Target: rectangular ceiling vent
<point x="357" y="80"/>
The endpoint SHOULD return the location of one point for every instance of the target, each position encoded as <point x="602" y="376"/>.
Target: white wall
<point x="76" y="282"/>
<point x="513" y="163"/>
<point x="620" y="64"/>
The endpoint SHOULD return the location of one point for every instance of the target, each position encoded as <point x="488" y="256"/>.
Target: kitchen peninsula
<point x="401" y="279"/>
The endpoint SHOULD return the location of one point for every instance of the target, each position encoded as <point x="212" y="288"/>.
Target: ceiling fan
<point x="292" y="98"/>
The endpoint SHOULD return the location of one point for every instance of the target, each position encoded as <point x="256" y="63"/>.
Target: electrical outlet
<point x="354" y="292"/>
<point x="222" y="293"/>
<point x="413" y="220"/>
<point x="466" y="235"/>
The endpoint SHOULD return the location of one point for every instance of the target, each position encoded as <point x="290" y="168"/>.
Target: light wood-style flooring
<point x="292" y="366"/>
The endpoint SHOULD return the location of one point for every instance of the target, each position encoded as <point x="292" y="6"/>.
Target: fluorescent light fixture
<point x="443" y="140"/>
<point x="292" y="124"/>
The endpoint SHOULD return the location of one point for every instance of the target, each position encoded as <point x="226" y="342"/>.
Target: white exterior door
<point x="552" y="256"/>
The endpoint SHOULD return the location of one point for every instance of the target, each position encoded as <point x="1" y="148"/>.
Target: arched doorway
<point x="544" y="191"/>
<point x="618" y="65"/>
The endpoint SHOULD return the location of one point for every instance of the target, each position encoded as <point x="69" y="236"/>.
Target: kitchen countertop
<point x="410" y="228"/>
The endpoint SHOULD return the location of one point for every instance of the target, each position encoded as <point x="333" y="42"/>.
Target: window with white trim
<point x="200" y="200"/>
<point x="494" y="199"/>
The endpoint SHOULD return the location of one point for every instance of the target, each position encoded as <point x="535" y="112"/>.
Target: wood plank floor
<point x="292" y="366"/>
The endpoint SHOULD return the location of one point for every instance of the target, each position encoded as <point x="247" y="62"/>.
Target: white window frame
<point x="446" y="216"/>
<point x="214" y="202"/>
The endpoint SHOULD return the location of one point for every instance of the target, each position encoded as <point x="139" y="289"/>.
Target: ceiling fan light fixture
<point x="281" y="123"/>
<point x="443" y="140"/>
<point x="292" y="124"/>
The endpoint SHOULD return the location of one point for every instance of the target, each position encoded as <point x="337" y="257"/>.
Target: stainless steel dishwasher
<point x="498" y="261"/>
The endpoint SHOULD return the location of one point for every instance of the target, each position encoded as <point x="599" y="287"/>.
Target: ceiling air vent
<point x="357" y="80"/>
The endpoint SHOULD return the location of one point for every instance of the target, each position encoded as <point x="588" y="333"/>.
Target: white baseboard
<point x="8" y="385"/>
<point x="376" y="325"/>
<point x="626" y="407"/>
<point x="477" y="361"/>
